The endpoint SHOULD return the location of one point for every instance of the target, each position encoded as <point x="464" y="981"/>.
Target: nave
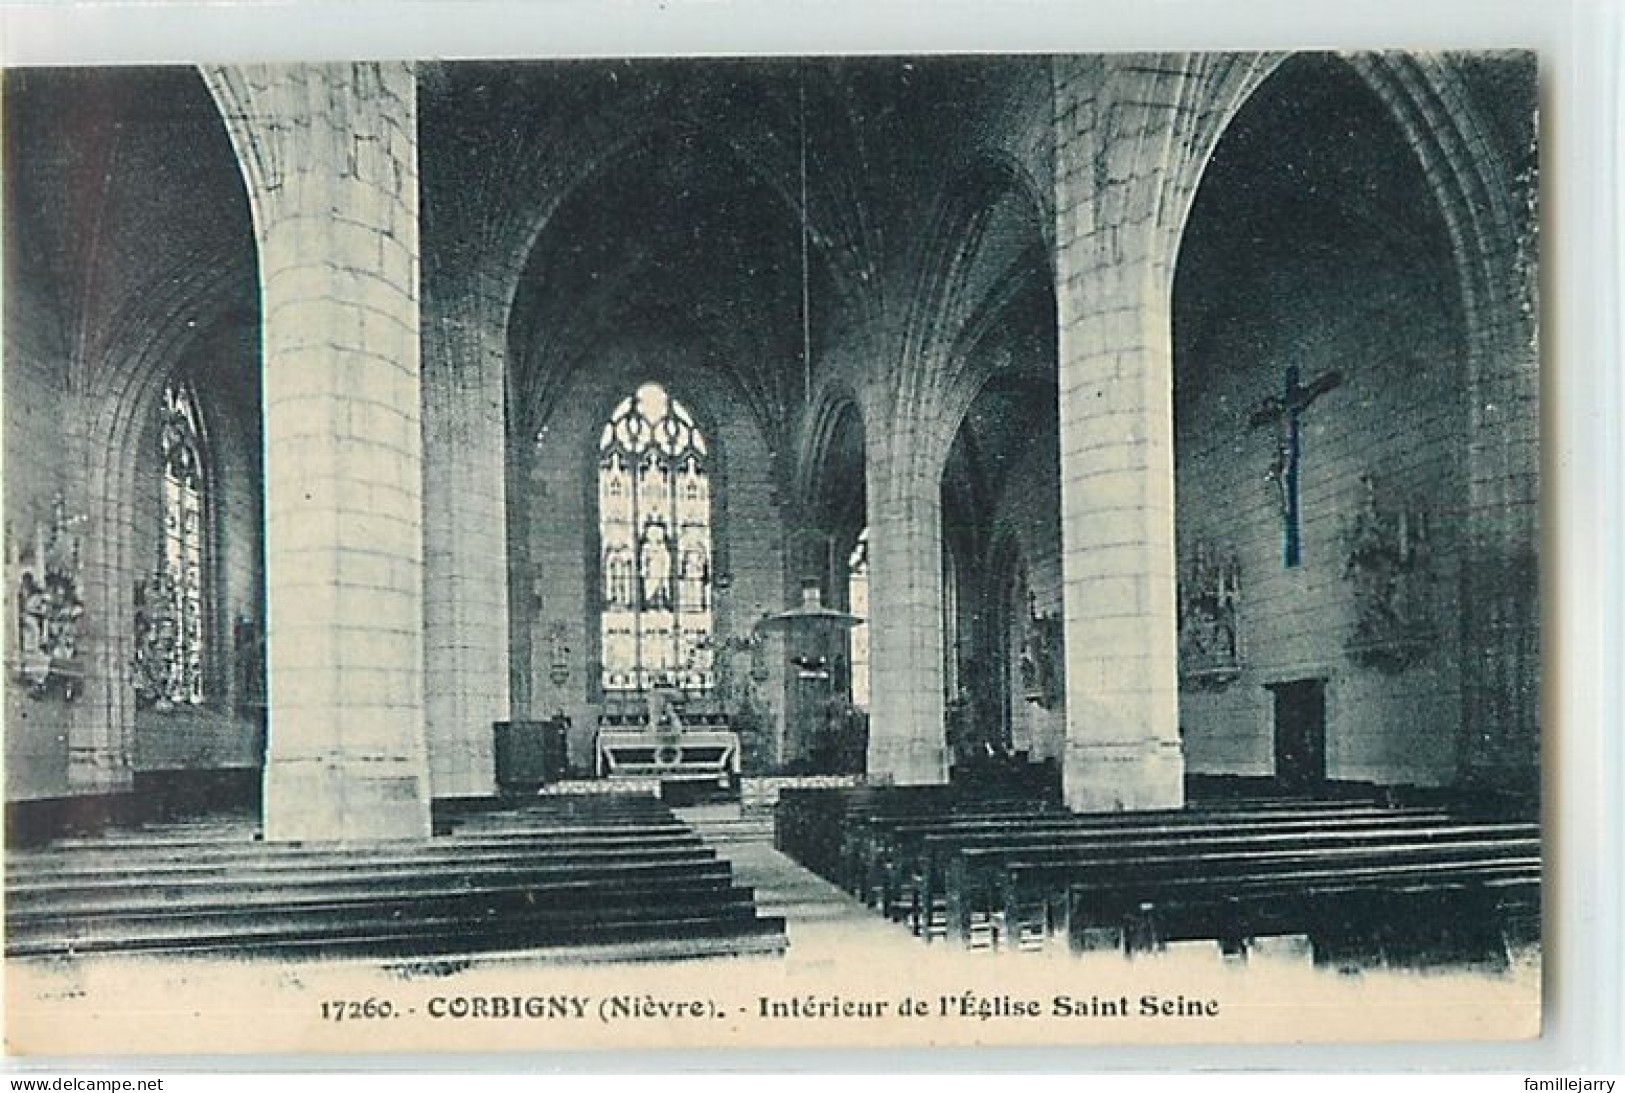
<point x="1129" y="420"/>
<point x="582" y="875"/>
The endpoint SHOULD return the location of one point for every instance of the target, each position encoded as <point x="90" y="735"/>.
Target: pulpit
<point x="815" y="638"/>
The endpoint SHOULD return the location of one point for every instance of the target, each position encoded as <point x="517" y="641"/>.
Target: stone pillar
<point x="907" y="745"/>
<point x="1115" y="163"/>
<point x="1117" y="533"/>
<point x="1501" y="565"/>
<point x="465" y="529"/>
<point x="101" y="720"/>
<point x="329" y="152"/>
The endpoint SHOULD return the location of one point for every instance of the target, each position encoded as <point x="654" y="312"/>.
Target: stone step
<point x="737" y="831"/>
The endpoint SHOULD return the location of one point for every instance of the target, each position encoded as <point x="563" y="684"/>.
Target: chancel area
<point x="1083" y="497"/>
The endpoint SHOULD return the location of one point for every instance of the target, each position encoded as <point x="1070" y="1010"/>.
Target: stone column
<point x="1121" y="187"/>
<point x="465" y="531"/>
<point x="1501" y="564"/>
<point x="907" y="745"/>
<point x="1117" y="533"/>
<point x="329" y="152"/>
<point x="101" y="720"/>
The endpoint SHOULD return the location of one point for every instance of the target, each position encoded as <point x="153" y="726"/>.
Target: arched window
<point x="170" y="609"/>
<point x="654" y="527"/>
<point x="857" y="602"/>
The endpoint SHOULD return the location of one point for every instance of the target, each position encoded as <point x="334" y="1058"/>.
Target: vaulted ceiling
<point x="129" y="213"/>
<point x="1312" y="181"/>
<point x="665" y="200"/>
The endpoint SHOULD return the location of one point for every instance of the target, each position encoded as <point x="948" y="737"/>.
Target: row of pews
<point x="600" y="877"/>
<point x="1009" y="872"/>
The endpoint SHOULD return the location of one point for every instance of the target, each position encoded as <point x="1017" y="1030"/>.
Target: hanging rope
<point x="806" y="312"/>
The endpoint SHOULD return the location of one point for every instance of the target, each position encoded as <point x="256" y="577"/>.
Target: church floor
<point x="819" y="918"/>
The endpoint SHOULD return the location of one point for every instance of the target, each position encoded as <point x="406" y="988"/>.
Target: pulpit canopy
<point x="810" y="615"/>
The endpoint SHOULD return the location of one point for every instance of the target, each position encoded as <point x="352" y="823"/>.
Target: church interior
<point x="1089" y="496"/>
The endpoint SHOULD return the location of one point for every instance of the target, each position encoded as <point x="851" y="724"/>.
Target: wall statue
<point x="1389" y="569"/>
<point x="248" y="652"/>
<point x="1209" y="619"/>
<point x="157" y="634"/>
<point x="50" y="608"/>
<point x="1040" y="662"/>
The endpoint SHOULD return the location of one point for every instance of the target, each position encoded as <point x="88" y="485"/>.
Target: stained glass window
<point x="654" y="527"/>
<point x="182" y="560"/>
<point x="857" y="600"/>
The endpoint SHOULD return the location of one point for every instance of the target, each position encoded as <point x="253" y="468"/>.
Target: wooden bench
<point x="262" y="858"/>
<point x="559" y="909"/>
<point x="586" y="881"/>
<point x="1494" y="893"/>
<point x="871" y="834"/>
<point x="900" y="848"/>
<point x="922" y="890"/>
<point x="810" y="824"/>
<point x="1000" y="880"/>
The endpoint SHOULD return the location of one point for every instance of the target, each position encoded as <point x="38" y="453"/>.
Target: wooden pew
<point x="69" y="898"/>
<point x="867" y="839"/>
<point x="259" y="858"/>
<point x="1497" y="888"/>
<point x="180" y="881"/>
<point x="557" y="910"/>
<point x="809" y="825"/>
<point x="591" y="880"/>
<point x="902" y="854"/>
<point x="930" y="852"/>
<point x="572" y="810"/>
<point x="883" y="841"/>
<point x="1008" y="882"/>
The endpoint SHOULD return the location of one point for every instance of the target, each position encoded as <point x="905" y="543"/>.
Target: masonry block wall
<point x="1395" y="420"/>
<point x="1319" y="251"/>
<point x="211" y="737"/>
<point x="219" y="734"/>
<point x="1030" y="513"/>
<point x="37" y="405"/>
<point x="92" y="333"/>
<point x="417" y="545"/>
<point x="555" y="510"/>
<point x="466" y="631"/>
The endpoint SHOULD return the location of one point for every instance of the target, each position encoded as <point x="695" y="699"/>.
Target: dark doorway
<point x="1300" y="735"/>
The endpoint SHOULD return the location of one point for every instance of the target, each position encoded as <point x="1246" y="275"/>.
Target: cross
<point x="1284" y="411"/>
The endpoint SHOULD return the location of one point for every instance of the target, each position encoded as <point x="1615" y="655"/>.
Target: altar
<point x="699" y="748"/>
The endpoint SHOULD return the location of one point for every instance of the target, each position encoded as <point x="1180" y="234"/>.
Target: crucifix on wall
<point x="1285" y="412"/>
